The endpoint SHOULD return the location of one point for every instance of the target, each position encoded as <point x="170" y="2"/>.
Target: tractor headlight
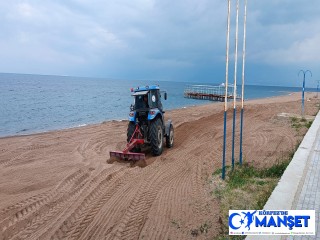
<point x="131" y="114"/>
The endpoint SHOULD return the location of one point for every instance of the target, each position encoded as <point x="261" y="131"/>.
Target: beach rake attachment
<point x="136" y="139"/>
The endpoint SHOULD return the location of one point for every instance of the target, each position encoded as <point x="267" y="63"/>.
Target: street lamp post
<point x="303" y="88"/>
<point x="318" y="89"/>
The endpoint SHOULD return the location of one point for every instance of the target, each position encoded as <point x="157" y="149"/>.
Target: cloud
<point x="288" y="35"/>
<point x="25" y="10"/>
<point x="53" y="37"/>
<point x="158" y="39"/>
<point x="304" y="51"/>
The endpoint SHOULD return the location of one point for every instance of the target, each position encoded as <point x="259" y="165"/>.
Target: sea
<point x="39" y="103"/>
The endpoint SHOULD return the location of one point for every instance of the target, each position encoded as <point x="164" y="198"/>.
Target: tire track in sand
<point x="47" y="216"/>
<point x="73" y="212"/>
<point x="73" y="226"/>
<point x="25" y="151"/>
<point x="135" y="216"/>
<point x="33" y="215"/>
<point x="134" y="196"/>
<point x="22" y="208"/>
<point x="168" y="211"/>
<point x="111" y="212"/>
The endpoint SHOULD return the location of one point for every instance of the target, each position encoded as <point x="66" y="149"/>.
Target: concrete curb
<point x="284" y="195"/>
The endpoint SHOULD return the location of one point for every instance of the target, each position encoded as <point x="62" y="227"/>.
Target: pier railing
<point x="208" y="92"/>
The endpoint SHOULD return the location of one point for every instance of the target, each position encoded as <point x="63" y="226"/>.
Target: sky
<point x="181" y="40"/>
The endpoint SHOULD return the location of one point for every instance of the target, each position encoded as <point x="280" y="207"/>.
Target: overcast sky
<point x="181" y="40"/>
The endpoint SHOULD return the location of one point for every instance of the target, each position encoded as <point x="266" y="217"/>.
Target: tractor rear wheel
<point x="156" y="137"/>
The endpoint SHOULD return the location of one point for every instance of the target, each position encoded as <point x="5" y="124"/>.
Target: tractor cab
<point x="147" y="104"/>
<point x="146" y="98"/>
<point x="141" y="101"/>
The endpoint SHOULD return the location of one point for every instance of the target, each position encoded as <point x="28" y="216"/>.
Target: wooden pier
<point x="208" y="92"/>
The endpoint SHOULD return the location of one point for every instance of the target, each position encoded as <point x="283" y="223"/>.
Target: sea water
<point x="38" y="103"/>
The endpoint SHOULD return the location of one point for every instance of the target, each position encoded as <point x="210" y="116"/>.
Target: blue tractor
<point x="146" y="125"/>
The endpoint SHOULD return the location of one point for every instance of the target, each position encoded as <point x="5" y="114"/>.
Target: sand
<point x="59" y="185"/>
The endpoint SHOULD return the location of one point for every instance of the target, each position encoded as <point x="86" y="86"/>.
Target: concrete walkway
<point x="299" y="187"/>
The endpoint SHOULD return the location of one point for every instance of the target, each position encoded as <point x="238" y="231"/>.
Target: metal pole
<point x="303" y="88"/>
<point x="242" y="85"/>
<point x="235" y="84"/>
<point x="318" y="89"/>
<point x="226" y="96"/>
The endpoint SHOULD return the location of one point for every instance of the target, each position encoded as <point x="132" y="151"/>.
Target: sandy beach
<point x="59" y="185"/>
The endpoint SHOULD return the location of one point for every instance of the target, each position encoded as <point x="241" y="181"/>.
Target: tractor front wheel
<point x="170" y="137"/>
<point x="156" y="137"/>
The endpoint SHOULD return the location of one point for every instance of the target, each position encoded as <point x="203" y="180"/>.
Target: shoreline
<point x="167" y="111"/>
